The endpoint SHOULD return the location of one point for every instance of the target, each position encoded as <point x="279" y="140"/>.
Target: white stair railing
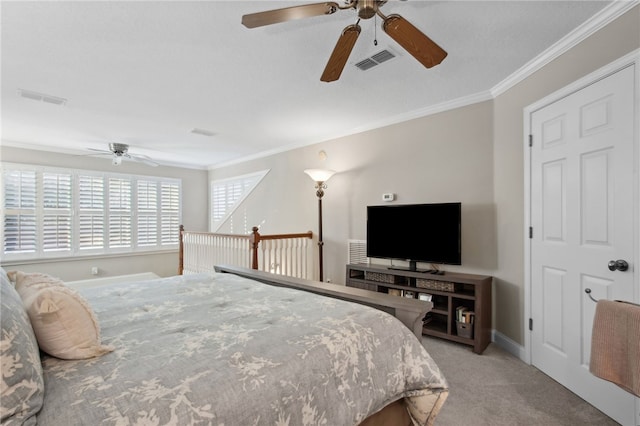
<point x="284" y="254"/>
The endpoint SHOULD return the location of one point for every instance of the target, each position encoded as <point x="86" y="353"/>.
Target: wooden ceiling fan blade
<point x="414" y="41"/>
<point x="276" y="16"/>
<point x="341" y="52"/>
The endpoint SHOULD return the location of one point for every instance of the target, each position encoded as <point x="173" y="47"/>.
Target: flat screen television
<point x="429" y="233"/>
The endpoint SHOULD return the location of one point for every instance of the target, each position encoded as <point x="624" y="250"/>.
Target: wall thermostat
<point x="388" y="196"/>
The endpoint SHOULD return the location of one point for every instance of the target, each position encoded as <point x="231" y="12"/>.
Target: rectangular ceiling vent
<point x="374" y="60"/>
<point x="202" y="132"/>
<point x="41" y="97"/>
<point x="383" y="56"/>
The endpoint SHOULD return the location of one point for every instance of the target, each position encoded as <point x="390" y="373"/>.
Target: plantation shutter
<point x="170" y="213"/>
<point x="119" y="213"/>
<point x="56" y="219"/>
<point x="227" y="194"/>
<point x="147" y="224"/>
<point x="55" y="212"/>
<point x="91" y="212"/>
<point x="19" y="227"/>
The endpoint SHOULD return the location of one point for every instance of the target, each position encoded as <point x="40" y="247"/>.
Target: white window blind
<point x="170" y="213"/>
<point x="91" y="212"/>
<point x="19" y="221"/>
<point x="119" y="213"/>
<point x="56" y="199"/>
<point x="147" y="213"/>
<point x="227" y="194"/>
<point x="50" y="212"/>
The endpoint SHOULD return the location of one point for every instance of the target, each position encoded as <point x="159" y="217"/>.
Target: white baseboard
<point x="509" y="345"/>
<point x="97" y="282"/>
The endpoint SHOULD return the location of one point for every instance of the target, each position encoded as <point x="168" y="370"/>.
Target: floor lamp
<point x="320" y="177"/>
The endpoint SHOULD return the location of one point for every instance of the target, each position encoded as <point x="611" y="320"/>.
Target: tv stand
<point x="448" y="293"/>
<point x="402" y="268"/>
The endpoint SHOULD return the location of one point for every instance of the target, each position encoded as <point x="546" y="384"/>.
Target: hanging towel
<point x="615" y="344"/>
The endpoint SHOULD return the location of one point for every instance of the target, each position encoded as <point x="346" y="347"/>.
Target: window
<point x="147" y="213"/>
<point x="19" y="219"/>
<point x="56" y="213"/>
<point x="227" y="194"/>
<point x="56" y="223"/>
<point x="90" y="212"/>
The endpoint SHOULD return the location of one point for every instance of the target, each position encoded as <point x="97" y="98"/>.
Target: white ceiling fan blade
<point x="118" y="152"/>
<point x="142" y="159"/>
<point x="99" y="152"/>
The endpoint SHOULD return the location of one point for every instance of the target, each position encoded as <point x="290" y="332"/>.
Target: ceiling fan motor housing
<point x="367" y="9"/>
<point x="118" y="148"/>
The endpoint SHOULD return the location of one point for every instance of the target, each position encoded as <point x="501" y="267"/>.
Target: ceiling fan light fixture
<point x="417" y="44"/>
<point x="119" y="151"/>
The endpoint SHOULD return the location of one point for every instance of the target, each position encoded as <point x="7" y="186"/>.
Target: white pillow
<point x="63" y="322"/>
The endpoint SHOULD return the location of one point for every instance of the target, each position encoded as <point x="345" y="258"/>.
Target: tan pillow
<point x="63" y="322"/>
<point x="28" y="280"/>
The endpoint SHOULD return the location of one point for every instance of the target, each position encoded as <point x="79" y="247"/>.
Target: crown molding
<point x="598" y="21"/>
<point x="378" y="124"/>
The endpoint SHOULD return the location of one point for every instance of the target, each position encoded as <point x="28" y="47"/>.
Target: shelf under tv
<point x="468" y="290"/>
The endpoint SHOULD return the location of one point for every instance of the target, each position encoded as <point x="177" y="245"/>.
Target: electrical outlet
<point x="388" y="196"/>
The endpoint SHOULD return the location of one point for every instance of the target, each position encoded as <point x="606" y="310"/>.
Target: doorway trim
<point x="631" y="59"/>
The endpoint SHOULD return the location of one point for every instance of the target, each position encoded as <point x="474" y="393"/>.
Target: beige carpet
<point x="496" y="388"/>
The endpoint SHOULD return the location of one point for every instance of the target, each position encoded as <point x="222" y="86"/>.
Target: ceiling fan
<point x="421" y="47"/>
<point x="119" y="151"/>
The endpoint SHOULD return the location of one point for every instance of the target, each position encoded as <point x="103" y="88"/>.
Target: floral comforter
<point x="223" y="350"/>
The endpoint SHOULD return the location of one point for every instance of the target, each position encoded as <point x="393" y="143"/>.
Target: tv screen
<point x="427" y="233"/>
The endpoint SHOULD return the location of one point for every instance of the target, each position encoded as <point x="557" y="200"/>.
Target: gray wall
<point x="610" y="43"/>
<point x="194" y="216"/>
<point x="472" y="154"/>
<point x="440" y="158"/>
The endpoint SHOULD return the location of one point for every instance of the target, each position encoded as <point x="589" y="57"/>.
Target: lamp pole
<point x="320" y="187"/>
<point x="320" y="176"/>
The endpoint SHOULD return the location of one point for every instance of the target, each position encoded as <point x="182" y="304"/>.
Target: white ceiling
<point x="146" y="73"/>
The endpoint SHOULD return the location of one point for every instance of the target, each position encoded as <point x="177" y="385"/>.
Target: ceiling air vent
<point x="366" y="64"/>
<point x="374" y="60"/>
<point x="41" y="97"/>
<point x="202" y="132"/>
<point x="383" y="56"/>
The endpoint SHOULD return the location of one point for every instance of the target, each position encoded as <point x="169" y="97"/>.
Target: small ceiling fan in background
<point x="119" y="151"/>
<point x="421" y="47"/>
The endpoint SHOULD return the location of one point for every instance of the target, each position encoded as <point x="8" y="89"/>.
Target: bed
<point x="216" y="349"/>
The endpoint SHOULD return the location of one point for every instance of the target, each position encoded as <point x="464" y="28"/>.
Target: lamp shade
<point x="319" y="175"/>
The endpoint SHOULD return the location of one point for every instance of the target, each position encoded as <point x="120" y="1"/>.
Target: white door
<point x="582" y="215"/>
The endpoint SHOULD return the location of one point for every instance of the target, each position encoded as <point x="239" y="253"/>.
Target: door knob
<point x="618" y="265"/>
